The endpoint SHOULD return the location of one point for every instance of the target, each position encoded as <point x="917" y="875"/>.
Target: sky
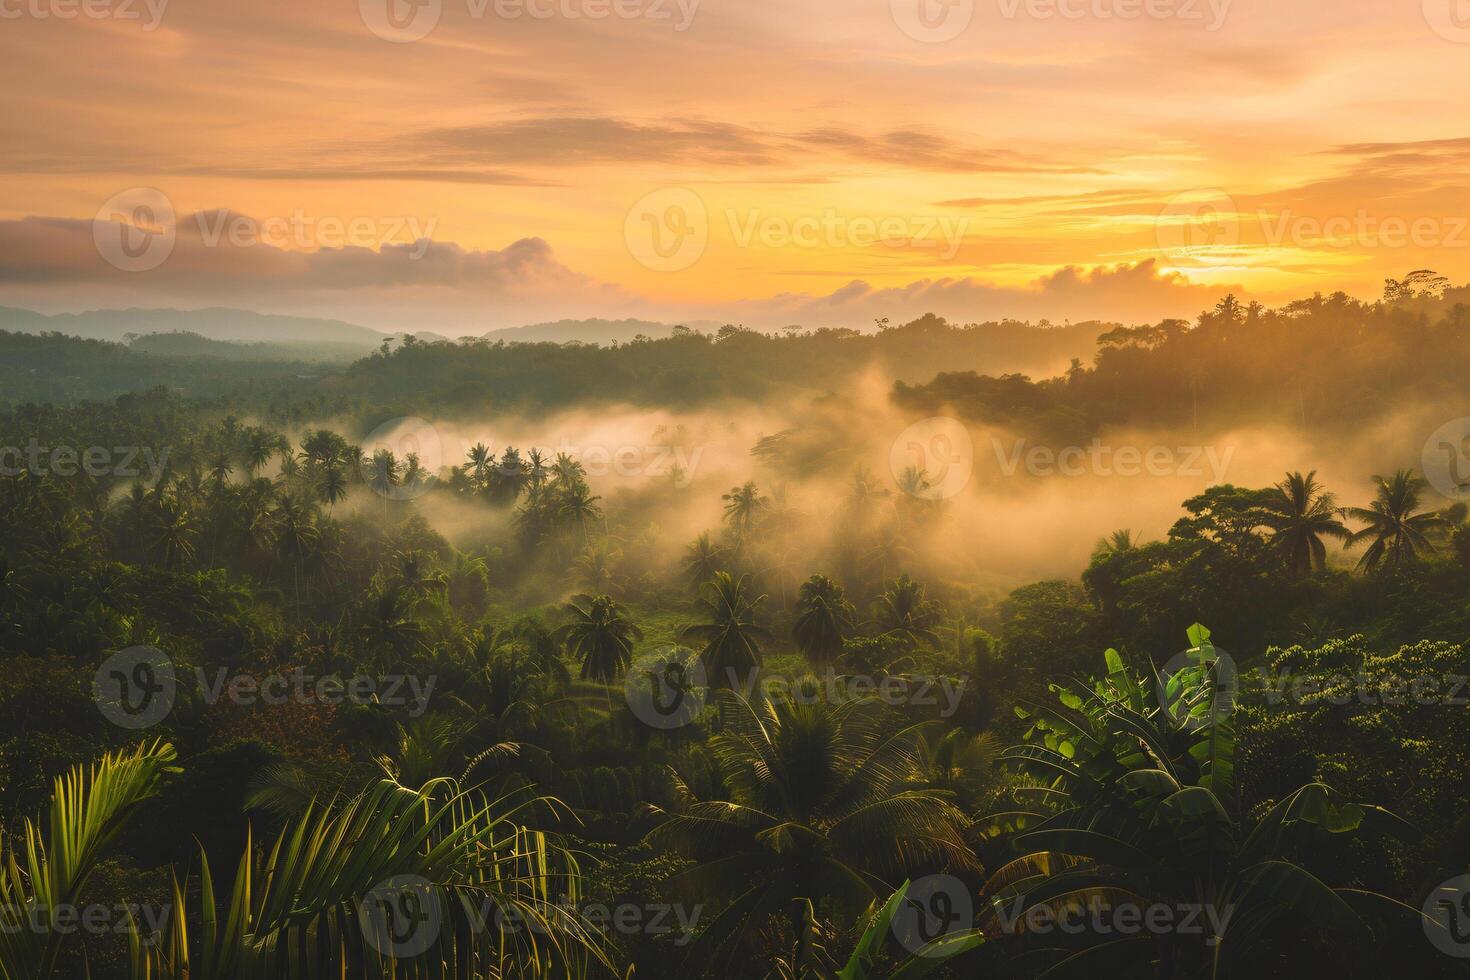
<point x="463" y="165"/>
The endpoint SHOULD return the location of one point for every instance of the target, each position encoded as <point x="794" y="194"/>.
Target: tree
<point x="730" y="636"/>
<point x="819" y="805"/>
<point x="1119" y="542"/>
<point x="904" y="612"/>
<point x="601" y="635"/>
<point x="702" y="559"/>
<point x="1300" y="517"/>
<point x="481" y="460"/>
<point x="332" y="485"/>
<point x="824" y="618"/>
<point x="743" y="505"/>
<point x="1398" y="534"/>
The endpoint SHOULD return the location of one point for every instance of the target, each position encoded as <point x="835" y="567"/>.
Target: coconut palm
<point x="1119" y="542"/>
<point x="389" y="625"/>
<point x="824" y="618"/>
<point x="51" y="861"/>
<point x="343" y="878"/>
<point x="481" y="460"/>
<point x="1397" y="534"/>
<point x="576" y="506"/>
<point x="730" y="636"/>
<point x="296" y="531"/>
<point x="819" y="804"/>
<point x="743" y="505"/>
<point x="596" y="566"/>
<point x="702" y="559"/>
<point x="1300" y="515"/>
<point x="259" y="447"/>
<point x="904" y="613"/>
<point x="601" y="634"/>
<point x="331" y="486"/>
<point x="537" y="471"/>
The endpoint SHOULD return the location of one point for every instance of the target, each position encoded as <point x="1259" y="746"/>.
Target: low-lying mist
<point x="855" y="486"/>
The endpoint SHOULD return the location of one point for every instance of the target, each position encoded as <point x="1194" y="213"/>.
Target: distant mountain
<point x="187" y="344"/>
<point x="594" y="331"/>
<point x="242" y="326"/>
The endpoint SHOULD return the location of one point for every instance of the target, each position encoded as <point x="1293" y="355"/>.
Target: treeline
<point x="1321" y="363"/>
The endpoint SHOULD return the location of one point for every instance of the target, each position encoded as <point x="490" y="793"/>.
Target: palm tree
<point x="743" y="504"/>
<point x="1119" y="542"/>
<point x="889" y="550"/>
<point x="864" y="494"/>
<point x="259" y="447"/>
<point x="384" y="474"/>
<point x="595" y="566"/>
<point x="567" y="469"/>
<point x="824" y="618"/>
<point x="480" y="460"/>
<point x="537" y="471"/>
<point x="296" y="532"/>
<point x="730" y="636"/>
<point x="176" y="532"/>
<point x="51" y="861"/>
<point x="1300" y="516"/>
<point x="578" y="506"/>
<point x="702" y="559"/>
<point x="389" y="625"/>
<point x="601" y="634"/>
<point x="335" y="889"/>
<point x="1398" y="534"/>
<point x="819" y="804"/>
<point x="332" y="486"/>
<point x="906" y="614"/>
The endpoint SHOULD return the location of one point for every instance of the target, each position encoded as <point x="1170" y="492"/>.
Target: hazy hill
<point x="212" y="324"/>
<point x="187" y="344"/>
<point x="594" y="331"/>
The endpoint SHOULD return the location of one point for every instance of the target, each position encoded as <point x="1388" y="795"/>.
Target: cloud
<point x="1131" y="293"/>
<point x="569" y="141"/>
<point x="221" y="257"/>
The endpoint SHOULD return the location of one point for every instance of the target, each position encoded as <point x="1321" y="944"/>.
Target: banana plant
<point x="1128" y="806"/>
<point x="51" y="865"/>
<point x="873" y="955"/>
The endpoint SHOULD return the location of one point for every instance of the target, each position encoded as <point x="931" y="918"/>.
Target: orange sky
<point x="761" y="162"/>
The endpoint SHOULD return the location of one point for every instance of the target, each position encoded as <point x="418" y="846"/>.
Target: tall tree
<point x="730" y="636"/>
<point x="601" y="634"/>
<point x="904" y="612"/>
<point x="824" y="618"/>
<point x="1396" y="530"/>
<point x="1300" y="516"/>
